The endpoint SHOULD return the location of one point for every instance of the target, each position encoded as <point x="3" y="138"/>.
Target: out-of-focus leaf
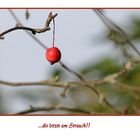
<point x="135" y="28"/>
<point x="57" y="73"/>
<point x="100" y="109"/>
<point x="119" y="98"/>
<point x="104" y="67"/>
<point x="137" y="103"/>
<point x="108" y="66"/>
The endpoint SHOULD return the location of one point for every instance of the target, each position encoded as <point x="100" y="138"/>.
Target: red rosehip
<point x="53" y="55"/>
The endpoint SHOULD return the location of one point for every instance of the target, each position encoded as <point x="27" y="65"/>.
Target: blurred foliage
<point x="119" y="98"/>
<point x="103" y="67"/>
<point x="135" y="28"/>
<point x="133" y="77"/>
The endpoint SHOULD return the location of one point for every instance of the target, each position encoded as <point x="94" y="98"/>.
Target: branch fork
<point x="32" y="30"/>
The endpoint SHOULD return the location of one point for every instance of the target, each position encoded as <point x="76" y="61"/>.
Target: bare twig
<point x="112" y="79"/>
<point x="63" y="94"/>
<point x="18" y="28"/>
<point x="39" y="83"/>
<point x="32" y="36"/>
<point x="44" y="46"/>
<point x="90" y="84"/>
<point x="127" y="67"/>
<point x="86" y="84"/>
<point x="107" y="79"/>
<point x="118" y="35"/>
<point x="126" y="87"/>
<point x="71" y="84"/>
<point x="71" y="71"/>
<point x="38" y="109"/>
<point x="33" y="30"/>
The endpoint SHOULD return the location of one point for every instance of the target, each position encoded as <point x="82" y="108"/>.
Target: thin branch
<point x="108" y="22"/>
<point x="92" y="87"/>
<point x="32" y="36"/>
<point x="39" y="83"/>
<point x="18" y="28"/>
<point x="104" y="20"/>
<point x="50" y="18"/>
<point x="126" y="87"/>
<point x="33" y="30"/>
<point x="107" y="79"/>
<point x="125" y="69"/>
<point x="66" y="85"/>
<point x="71" y="71"/>
<point x="63" y="94"/>
<point x="89" y="84"/>
<point x="44" y="46"/>
<point x="123" y="38"/>
<point x="38" y="109"/>
<point x="133" y="47"/>
<point x="112" y="79"/>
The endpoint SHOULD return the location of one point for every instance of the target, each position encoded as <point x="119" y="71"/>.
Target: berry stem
<point x="53" y="33"/>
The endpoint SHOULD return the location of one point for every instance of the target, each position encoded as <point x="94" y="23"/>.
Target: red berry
<point x="53" y="55"/>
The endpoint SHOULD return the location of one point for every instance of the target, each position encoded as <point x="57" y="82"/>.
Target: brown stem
<point x="38" y="109"/>
<point x="33" y="30"/>
<point x="71" y="71"/>
<point x="39" y="83"/>
<point x="33" y="37"/>
<point x="66" y="67"/>
<point x="18" y="28"/>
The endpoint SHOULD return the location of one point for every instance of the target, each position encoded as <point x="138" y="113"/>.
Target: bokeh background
<point x="83" y="40"/>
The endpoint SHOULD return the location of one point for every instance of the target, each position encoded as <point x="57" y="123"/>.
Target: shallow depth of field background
<point x="82" y="39"/>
